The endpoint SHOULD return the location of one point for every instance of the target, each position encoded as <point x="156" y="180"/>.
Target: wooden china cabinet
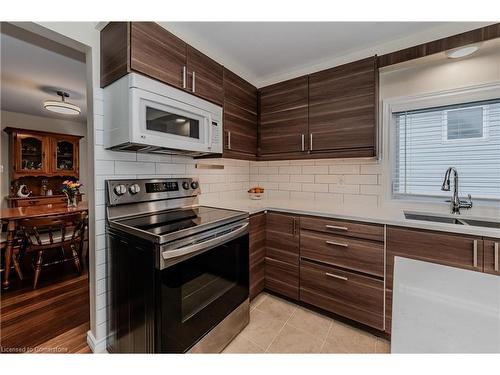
<point x="41" y="161"/>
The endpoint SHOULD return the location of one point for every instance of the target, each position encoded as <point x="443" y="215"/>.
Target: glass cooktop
<point x="167" y="222"/>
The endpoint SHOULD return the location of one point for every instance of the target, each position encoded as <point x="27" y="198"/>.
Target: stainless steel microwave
<point x="144" y="115"/>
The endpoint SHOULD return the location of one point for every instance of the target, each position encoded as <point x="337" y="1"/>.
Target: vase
<point x="72" y="201"/>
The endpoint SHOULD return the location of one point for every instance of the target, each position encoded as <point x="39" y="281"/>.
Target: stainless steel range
<point x="177" y="271"/>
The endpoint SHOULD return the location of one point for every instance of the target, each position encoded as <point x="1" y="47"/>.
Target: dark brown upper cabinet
<point x="283" y="119"/>
<point x="204" y="76"/>
<point x="147" y="48"/>
<point x="343" y="109"/>
<point x="157" y="53"/>
<point x="240" y="117"/>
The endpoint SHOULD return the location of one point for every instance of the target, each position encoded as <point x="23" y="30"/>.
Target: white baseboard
<point x="97" y="346"/>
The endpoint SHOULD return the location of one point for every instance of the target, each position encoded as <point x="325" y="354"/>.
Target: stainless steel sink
<point x="452" y="220"/>
<point x="436" y="219"/>
<point x="482" y="223"/>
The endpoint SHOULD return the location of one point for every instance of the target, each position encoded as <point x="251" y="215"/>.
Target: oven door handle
<point x="210" y="243"/>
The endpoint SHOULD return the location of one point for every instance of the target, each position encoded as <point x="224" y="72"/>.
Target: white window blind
<point x="428" y="141"/>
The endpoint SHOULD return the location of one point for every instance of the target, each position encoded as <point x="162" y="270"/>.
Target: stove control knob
<point x="194" y="185"/>
<point x="134" y="189"/>
<point x="185" y="185"/>
<point x="120" y="189"/>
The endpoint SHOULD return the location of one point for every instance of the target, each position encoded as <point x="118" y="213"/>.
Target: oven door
<point x="165" y="122"/>
<point x="198" y="292"/>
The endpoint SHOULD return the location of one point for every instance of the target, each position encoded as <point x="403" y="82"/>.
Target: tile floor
<point x="279" y="326"/>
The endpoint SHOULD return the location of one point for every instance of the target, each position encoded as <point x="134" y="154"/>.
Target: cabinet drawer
<point x="359" y="255"/>
<point x="282" y="278"/>
<point x="374" y="232"/>
<point x="42" y="201"/>
<point x="356" y="297"/>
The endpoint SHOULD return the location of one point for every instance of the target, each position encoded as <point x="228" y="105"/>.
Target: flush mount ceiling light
<point x="62" y="106"/>
<point x="462" y="51"/>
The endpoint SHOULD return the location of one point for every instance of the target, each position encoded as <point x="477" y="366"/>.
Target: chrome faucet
<point x="456" y="203"/>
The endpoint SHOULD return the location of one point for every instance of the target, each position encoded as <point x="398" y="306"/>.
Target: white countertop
<point x="386" y="214"/>
<point x="441" y="309"/>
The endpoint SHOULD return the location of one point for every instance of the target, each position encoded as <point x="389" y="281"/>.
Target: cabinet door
<point x="31" y="155"/>
<point x="240" y="117"/>
<point x="65" y="156"/>
<point x="205" y="76"/>
<point x="449" y="249"/>
<point x="492" y="256"/>
<point x="157" y="53"/>
<point x="343" y="108"/>
<point x="283" y="117"/>
<point x="282" y="254"/>
<point x="257" y="253"/>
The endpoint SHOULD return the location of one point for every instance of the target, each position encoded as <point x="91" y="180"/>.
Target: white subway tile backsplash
<point x="344" y="169"/>
<point x="315" y="169"/>
<point x="316" y="188"/>
<point x="278" y="178"/>
<point x="104" y="167"/>
<point x="304" y="178"/>
<point x="290" y="169"/>
<point x="301" y="195"/>
<point x="128" y="167"/>
<point x="367" y="179"/>
<point x="171" y="169"/>
<point x="342" y="188"/>
<point x="290" y="186"/>
<point x="329" y="197"/>
<point x="327" y="179"/>
<point x="371" y="169"/>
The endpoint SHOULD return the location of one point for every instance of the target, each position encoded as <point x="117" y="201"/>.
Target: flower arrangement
<point x="71" y="188"/>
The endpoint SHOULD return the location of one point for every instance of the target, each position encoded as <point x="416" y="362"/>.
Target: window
<point x="464" y="123"/>
<point x="429" y="140"/>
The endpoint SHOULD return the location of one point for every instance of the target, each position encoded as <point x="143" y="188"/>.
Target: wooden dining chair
<point x="15" y="252"/>
<point x="65" y="232"/>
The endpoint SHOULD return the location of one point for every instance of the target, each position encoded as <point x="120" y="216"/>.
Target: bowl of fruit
<point x="256" y="193"/>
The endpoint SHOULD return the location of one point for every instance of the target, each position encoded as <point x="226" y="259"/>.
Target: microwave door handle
<point x="208" y="244"/>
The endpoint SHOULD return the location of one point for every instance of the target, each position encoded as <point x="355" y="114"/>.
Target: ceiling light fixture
<point x="62" y="106"/>
<point x="462" y="51"/>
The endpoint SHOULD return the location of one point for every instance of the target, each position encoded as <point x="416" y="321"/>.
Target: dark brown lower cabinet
<point x="355" y="296"/>
<point x="282" y="254"/>
<point x="492" y="256"/>
<point x="257" y="253"/>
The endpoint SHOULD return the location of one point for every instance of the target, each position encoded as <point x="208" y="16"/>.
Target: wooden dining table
<point x="13" y="215"/>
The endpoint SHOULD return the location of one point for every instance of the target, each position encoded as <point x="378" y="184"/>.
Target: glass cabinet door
<point x="31" y="154"/>
<point x="64" y="156"/>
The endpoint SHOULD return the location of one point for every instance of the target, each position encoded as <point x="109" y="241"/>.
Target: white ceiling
<point x="268" y="52"/>
<point x="34" y="68"/>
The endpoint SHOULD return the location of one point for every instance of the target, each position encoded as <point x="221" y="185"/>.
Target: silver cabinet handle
<point x="294" y="229"/>
<point x="303" y="142"/>
<point x="335" y="227"/>
<point x="311" y="141"/>
<point x="496" y="256"/>
<point x="184" y="77"/>
<point x="337" y="243"/>
<point x="475" y="254"/>
<point x="336" y="276"/>
<point x="194" y="81"/>
<point x="229" y="140"/>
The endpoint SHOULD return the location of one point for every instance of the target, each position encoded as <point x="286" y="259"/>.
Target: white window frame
<point x="473" y="93"/>
<point x="444" y="127"/>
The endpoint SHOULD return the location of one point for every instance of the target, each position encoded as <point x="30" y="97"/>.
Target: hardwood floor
<point x="54" y="318"/>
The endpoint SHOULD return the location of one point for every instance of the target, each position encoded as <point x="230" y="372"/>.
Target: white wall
<point x="24" y="121"/>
